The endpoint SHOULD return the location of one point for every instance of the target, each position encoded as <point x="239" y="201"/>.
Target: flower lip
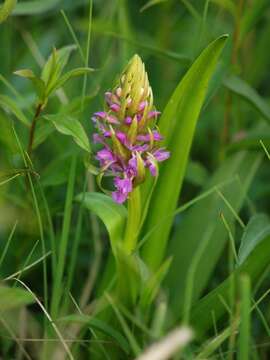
<point x="124" y="187"/>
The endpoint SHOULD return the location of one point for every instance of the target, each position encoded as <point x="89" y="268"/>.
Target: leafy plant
<point x="135" y="224"/>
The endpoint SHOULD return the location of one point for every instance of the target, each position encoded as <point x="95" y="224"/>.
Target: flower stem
<point x="32" y="129"/>
<point x="133" y="221"/>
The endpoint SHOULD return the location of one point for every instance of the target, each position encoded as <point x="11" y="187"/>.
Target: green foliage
<point x="254" y="266"/>
<point x="203" y="224"/>
<point x="192" y="247"/>
<point x="113" y="215"/>
<point x="68" y="125"/>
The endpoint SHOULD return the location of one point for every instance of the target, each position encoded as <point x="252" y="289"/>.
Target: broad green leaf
<point x="38" y="83"/>
<point x="100" y="325"/>
<point x="11" y="106"/>
<point x="202" y="223"/>
<point x="35" y="7"/>
<point x="243" y="89"/>
<point x="6" y="9"/>
<point x="254" y="266"/>
<point x="68" y="125"/>
<point x="69" y="75"/>
<point x="11" y="298"/>
<point x="257" y="229"/>
<point x="112" y="215"/>
<point x="178" y="124"/>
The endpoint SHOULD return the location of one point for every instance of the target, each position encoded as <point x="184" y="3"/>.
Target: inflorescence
<point x="128" y="132"/>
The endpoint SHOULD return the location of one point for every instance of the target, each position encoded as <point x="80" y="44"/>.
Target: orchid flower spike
<point x="127" y="131"/>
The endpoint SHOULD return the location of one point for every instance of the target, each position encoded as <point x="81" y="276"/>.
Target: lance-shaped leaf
<point x="68" y="125"/>
<point x="54" y="67"/>
<point x="178" y="124"/>
<point x="38" y="83"/>
<point x="71" y="74"/>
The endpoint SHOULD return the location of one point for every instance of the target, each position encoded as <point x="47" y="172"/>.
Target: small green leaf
<point x="257" y="229"/>
<point x="11" y="298"/>
<point x="112" y="215"/>
<point x="71" y="74"/>
<point x="68" y="125"/>
<point x="38" y="83"/>
<point x="54" y="66"/>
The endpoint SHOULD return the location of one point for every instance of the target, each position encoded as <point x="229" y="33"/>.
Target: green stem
<point x="133" y="221"/>
<point x="33" y="127"/>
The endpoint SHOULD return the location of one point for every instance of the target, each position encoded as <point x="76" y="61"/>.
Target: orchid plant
<point x="154" y="271"/>
<point x="128" y="132"/>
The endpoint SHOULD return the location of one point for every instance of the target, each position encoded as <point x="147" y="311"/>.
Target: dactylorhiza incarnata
<point x="128" y="132"/>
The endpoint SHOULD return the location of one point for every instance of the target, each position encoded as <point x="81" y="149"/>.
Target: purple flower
<point x="127" y="130"/>
<point x="128" y="120"/>
<point x="161" y="154"/>
<point x="105" y="155"/>
<point x="147" y="137"/>
<point x="115" y="107"/>
<point x="124" y="187"/>
<point x="153" y="114"/>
